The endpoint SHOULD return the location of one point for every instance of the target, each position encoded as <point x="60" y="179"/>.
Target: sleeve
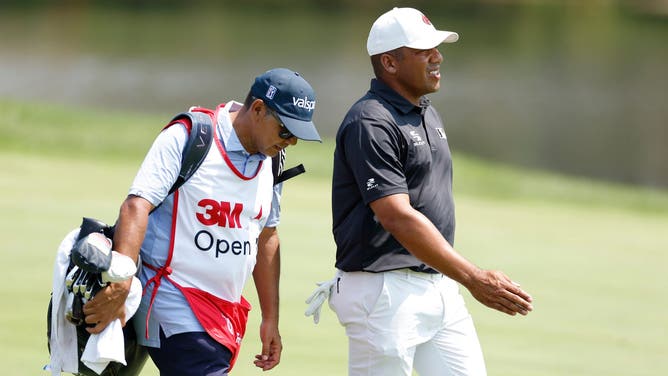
<point x="373" y="148"/>
<point x="161" y="165"/>
<point x="275" y="213"/>
<point x="277" y="164"/>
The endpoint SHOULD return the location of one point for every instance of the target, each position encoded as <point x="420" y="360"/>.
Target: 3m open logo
<point x="220" y="213"/>
<point x="271" y="92"/>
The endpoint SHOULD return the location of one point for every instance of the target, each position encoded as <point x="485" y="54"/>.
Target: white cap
<point x="405" y="27"/>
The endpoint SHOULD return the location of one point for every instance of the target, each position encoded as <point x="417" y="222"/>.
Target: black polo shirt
<point x="386" y="145"/>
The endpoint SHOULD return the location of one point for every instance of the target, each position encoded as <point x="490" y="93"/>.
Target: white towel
<point x="101" y="348"/>
<point x="63" y="341"/>
<point x="110" y="345"/>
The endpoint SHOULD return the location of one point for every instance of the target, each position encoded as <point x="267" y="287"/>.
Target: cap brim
<point x="303" y="130"/>
<point x="434" y="40"/>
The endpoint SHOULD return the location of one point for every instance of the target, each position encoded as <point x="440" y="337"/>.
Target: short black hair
<point x="376" y="64"/>
<point x="249" y="99"/>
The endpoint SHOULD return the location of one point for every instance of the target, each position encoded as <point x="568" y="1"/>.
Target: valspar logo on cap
<point x="304" y="103"/>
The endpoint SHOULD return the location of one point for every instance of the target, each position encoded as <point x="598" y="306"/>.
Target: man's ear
<point x="389" y="63"/>
<point x="257" y="109"/>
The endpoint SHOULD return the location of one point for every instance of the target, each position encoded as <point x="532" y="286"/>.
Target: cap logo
<point x="426" y="20"/>
<point x="271" y="92"/>
<point x="304" y="103"/>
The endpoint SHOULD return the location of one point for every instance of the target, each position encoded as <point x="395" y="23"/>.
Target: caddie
<point x="203" y="241"/>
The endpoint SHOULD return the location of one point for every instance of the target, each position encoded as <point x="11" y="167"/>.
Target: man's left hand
<point x="106" y="306"/>
<point x="271" y="346"/>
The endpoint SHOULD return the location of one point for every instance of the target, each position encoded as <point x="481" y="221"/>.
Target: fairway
<point x="592" y="255"/>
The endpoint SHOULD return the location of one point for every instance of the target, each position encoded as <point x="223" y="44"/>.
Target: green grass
<point x="592" y="254"/>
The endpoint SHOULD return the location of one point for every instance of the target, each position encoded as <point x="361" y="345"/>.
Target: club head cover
<point x="90" y="225"/>
<point x="92" y="253"/>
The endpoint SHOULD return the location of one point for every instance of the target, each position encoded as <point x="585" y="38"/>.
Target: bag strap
<point x="197" y="146"/>
<point x="199" y="142"/>
<point x="290" y="173"/>
<point x="200" y="137"/>
<point x="281" y="175"/>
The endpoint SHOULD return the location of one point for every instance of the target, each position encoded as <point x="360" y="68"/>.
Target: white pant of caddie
<point x="399" y="320"/>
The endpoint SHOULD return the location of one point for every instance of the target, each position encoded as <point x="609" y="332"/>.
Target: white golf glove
<point x="317" y="298"/>
<point x="122" y="267"/>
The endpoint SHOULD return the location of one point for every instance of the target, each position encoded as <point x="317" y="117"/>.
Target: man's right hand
<point x="495" y="290"/>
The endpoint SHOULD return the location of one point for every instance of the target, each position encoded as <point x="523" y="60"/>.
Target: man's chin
<point x="271" y="152"/>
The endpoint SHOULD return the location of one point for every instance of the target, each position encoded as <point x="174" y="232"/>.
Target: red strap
<point x="184" y="120"/>
<point x="163" y="271"/>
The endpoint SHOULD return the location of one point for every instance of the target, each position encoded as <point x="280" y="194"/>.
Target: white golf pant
<point x="399" y="320"/>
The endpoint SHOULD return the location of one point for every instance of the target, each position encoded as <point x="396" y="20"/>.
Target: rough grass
<point x="591" y="254"/>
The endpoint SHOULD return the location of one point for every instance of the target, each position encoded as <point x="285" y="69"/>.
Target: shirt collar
<point x="402" y="104"/>
<point x="225" y="129"/>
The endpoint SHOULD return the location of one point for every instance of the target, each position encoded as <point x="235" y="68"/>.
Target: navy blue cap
<point x="293" y="99"/>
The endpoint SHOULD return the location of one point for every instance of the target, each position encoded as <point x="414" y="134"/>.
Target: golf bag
<point x="88" y="269"/>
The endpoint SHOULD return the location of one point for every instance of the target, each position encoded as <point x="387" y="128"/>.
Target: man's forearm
<point x="420" y="237"/>
<point x="131" y="226"/>
<point x="266" y="274"/>
<point x="108" y="303"/>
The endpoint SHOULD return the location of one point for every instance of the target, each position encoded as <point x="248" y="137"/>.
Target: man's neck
<point x="241" y="128"/>
<point x="394" y="85"/>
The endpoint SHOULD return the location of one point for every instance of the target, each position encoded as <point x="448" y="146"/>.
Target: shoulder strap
<point x="197" y="146"/>
<point x="200" y="136"/>
<point x="289" y="174"/>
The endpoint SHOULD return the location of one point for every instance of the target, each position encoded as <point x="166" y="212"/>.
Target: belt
<point x="421" y="275"/>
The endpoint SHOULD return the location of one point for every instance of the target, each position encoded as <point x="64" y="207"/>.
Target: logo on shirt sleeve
<point x="441" y="133"/>
<point x="371" y="184"/>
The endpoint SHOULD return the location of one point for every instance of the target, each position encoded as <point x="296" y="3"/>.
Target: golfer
<point x="396" y="289"/>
